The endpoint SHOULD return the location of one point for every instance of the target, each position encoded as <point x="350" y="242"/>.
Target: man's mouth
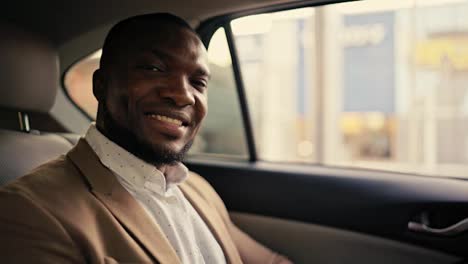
<point x="171" y="124"/>
<point x="166" y="119"/>
<point x="173" y="117"/>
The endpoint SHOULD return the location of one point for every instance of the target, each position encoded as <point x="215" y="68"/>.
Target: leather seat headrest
<point x="29" y="71"/>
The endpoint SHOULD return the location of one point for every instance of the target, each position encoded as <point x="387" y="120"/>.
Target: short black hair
<point x="118" y="30"/>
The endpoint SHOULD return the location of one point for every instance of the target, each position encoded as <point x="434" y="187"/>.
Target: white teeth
<point x="167" y="119"/>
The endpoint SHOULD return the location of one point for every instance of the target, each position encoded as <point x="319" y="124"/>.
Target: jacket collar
<point x="121" y="204"/>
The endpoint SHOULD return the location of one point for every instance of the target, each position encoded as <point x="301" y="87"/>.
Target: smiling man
<point x="158" y="95"/>
<point x="122" y="195"/>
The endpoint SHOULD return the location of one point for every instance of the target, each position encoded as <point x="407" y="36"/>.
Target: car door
<point x="336" y="133"/>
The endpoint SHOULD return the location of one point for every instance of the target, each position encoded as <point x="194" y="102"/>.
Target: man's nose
<point x="179" y="91"/>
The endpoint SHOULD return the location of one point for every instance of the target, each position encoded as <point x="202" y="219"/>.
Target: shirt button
<point x="149" y="186"/>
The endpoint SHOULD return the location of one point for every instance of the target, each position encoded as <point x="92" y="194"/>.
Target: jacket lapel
<point x="121" y="204"/>
<point x="214" y="222"/>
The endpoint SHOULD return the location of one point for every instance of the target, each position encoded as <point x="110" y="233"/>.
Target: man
<point x="122" y="195"/>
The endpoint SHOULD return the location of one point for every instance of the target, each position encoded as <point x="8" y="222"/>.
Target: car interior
<point x="314" y="206"/>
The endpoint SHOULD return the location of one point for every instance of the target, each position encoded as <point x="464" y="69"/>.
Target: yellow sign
<point x="436" y="52"/>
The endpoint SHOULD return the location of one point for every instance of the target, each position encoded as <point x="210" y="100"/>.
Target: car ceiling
<point x="61" y="20"/>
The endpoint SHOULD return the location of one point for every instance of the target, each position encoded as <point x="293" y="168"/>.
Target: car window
<point x="222" y="132"/>
<point x="78" y="83"/>
<point x="370" y="84"/>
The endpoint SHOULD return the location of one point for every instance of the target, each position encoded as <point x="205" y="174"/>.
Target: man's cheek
<point x="202" y="109"/>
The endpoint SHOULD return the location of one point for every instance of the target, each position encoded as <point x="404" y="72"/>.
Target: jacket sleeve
<point x="29" y="234"/>
<point x="251" y="251"/>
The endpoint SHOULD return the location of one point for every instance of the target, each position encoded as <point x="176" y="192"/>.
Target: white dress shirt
<point x="161" y="198"/>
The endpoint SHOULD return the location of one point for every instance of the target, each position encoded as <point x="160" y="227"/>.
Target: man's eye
<point x="149" y="68"/>
<point x="199" y="84"/>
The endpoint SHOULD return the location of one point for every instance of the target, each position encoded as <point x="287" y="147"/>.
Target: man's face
<point x="156" y="94"/>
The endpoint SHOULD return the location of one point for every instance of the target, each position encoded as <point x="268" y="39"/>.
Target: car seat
<point x="29" y="75"/>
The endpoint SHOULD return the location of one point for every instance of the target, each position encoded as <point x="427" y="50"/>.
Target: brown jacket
<point x="74" y="210"/>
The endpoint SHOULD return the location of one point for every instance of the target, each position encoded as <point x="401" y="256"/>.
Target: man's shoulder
<point x="51" y="179"/>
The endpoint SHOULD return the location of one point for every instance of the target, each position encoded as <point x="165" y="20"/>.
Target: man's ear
<point x="99" y="85"/>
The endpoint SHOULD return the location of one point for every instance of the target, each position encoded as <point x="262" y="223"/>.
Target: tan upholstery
<point x="28" y="82"/>
<point x="28" y="71"/>
<point x="21" y="152"/>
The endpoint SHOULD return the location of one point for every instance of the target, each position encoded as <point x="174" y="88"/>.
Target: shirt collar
<point x="131" y="169"/>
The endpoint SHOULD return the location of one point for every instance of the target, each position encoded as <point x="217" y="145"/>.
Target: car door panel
<point x="310" y="243"/>
<point x="368" y="202"/>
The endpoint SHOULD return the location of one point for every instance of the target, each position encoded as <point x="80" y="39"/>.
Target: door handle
<point x="452" y="230"/>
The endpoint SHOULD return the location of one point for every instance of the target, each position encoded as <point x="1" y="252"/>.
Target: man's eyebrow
<point x="162" y="54"/>
<point x="203" y="72"/>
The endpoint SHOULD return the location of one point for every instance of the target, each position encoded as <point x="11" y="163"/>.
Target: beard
<point x="128" y="140"/>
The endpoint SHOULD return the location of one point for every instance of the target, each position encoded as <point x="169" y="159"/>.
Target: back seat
<point x="29" y="76"/>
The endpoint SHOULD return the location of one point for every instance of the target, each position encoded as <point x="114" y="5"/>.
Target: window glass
<point x="79" y="83"/>
<point x="222" y="131"/>
<point x="276" y="53"/>
<point x="373" y="84"/>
